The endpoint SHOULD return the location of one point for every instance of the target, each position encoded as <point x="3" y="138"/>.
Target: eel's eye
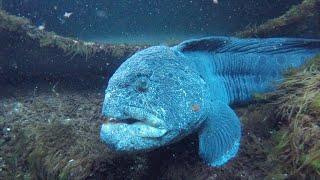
<point x="142" y="86"/>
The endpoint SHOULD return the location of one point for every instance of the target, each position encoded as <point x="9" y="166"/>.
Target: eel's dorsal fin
<point x="219" y="136"/>
<point x="221" y="44"/>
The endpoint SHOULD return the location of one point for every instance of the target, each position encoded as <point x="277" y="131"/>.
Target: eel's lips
<point x="124" y="138"/>
<point x="134" y="127"/>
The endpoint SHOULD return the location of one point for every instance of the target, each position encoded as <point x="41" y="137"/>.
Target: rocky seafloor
<point x="52" y="131"/>
<point x="55" y="133"/>
<point x="49" y="122"/>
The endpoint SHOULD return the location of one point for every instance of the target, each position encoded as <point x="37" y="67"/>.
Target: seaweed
<point x="58" y="138"/>
<point x="297" y="21"/>
<point x="298" y="141"/>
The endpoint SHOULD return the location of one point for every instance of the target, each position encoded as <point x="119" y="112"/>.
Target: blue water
<point x="146" y="21"/>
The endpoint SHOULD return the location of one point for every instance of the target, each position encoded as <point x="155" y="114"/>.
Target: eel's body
<point x="240" y="67"/>
<point x="162" y="94"/>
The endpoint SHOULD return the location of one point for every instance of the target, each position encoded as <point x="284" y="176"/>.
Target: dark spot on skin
<point x="181" y="78"/>
<point x="142" y="86"/>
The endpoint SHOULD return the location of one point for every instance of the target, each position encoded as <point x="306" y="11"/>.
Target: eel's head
<point x="153" y="99"/>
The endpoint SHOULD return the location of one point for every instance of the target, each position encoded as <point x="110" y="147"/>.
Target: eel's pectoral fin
<point x="219" y="137"/>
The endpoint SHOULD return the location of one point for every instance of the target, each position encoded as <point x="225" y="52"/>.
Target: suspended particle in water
<point x="67" y="14"/>
<point x="41" y="27"/>
<point x="215" y="2"/>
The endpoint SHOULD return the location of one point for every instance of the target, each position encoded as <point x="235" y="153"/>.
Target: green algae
<point x="259" y="97"/>
<point x="315" y="105"/>
<point x="312" y="160"/>
<point x="282" y="140"/>
<point x="316" y="165"/>
<point x="69" y="46"/>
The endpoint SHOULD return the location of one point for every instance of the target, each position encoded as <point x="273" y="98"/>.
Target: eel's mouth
<point x="137" y="122"/>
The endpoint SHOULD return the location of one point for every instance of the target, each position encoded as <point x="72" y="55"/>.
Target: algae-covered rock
<point x="301" y="20"/>
<point x="49" y="56"/>
<point x="12" y="23"/>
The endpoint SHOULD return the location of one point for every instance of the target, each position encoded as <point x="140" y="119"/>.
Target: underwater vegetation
<point x="299" y="20"/>
<point x="298" y="107"/>
<point x="50" y="39"/>
<point x="11" y="23"/>
<point x="39" y="143"/>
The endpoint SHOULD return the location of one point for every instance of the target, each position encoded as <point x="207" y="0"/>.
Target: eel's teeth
<point x="112" y="119"/>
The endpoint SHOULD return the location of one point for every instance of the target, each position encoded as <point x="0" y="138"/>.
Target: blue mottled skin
<point x="161" y="94"/>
